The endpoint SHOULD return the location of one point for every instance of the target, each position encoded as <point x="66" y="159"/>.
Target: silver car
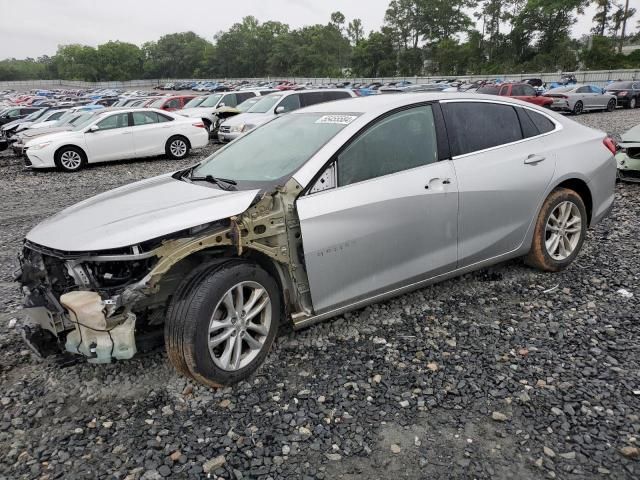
<point x="581" y="98"/>
<point x="315" y="213"/>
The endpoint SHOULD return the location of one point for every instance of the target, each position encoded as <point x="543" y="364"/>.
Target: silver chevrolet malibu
<point x="320" y="211"/>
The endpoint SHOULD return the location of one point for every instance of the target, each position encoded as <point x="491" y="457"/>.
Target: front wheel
<point x="222" y="322"/>
<point x="559" y="232"/>
<point x="177" y="148"/>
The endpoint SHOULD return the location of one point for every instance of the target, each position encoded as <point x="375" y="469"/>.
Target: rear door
<point x="502" y="174"/>
<point x="584" y="95"/>
<point x="150" y="132"/>
<point x="388" y="217"/>
<point x="112" y="141"/>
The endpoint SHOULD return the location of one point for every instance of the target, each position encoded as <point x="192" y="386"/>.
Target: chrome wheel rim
<point x="70" y="160"/>
<point x="239" y="326"/>
<point x="563" y="231"/>
<point x="178" y="148"/>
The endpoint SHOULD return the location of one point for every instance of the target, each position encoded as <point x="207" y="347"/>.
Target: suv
<point x="206" y="108"/>
<point x="275" y="104"/>
<point x="521" y="91"/>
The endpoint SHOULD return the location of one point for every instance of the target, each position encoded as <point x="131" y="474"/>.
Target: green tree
<point x="177" y="55"/>
<point x="119" y="61"/>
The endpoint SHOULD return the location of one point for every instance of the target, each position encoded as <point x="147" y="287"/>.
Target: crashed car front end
<point x="628" y="156"/>
<point x="109" y="304"/>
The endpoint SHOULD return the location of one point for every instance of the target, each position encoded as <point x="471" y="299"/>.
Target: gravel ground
<point x="503" y="373"/>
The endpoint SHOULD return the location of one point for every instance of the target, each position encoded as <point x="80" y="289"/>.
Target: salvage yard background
<point x="499" y="374"/>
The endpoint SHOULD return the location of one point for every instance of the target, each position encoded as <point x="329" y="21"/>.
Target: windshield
<point x="33" y="116"/>
<point x="247" y="104"/>
<point x="275" y="149"/>
<point x="265" y="104"/>
<point x="66" y="116"/>
<point x="618" y="85"/>
<point x="210" y="100"/>
<point x="157" y="104"/>
<point x="489" y="90"/>
<point x="194" y="102"/>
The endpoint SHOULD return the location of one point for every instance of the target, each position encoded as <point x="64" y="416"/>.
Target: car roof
<point x="377" y="104"/>
<point x="311" y="90"/>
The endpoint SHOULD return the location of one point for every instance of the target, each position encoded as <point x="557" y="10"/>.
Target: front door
<point x="391" y="218"/>
<point x="112" y="141"/>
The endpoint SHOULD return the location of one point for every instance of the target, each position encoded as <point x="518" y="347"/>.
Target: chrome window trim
<point x="557" y="124"/>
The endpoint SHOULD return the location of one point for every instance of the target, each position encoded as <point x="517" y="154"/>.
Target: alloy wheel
<point x="71" y="160"/>
<point x="577" y="109"/>
<point x="239" y="326"/>
<point x="178" y="148"/>
<point x="563" y="230"/>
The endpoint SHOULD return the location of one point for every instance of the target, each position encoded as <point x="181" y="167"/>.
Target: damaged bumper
<point x="62" y="313"/>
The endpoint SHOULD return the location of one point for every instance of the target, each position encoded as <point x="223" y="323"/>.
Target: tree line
<point x="419" y="37"/>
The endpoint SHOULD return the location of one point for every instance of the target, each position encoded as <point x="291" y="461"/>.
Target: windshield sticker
<point x="337" y="119"/>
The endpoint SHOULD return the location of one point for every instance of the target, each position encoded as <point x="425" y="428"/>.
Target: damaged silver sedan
<point x="320" y="211"/>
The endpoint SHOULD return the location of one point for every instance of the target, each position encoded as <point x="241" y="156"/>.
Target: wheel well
<point x="582" y="189"/>
<point x="181" y="269"/>
<point x="82" y="152"/>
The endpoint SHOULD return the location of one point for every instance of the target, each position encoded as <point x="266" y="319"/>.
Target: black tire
<point x="633" y="103"/>
<point x="207" y="124"/>
<point x="191" y="311"/>
<point x="578" y="108"/>
<point x="539" y="256"/>
<point x="177" y="147"/>
<point x="70" y="159"/>
<point x="611" y="106"/>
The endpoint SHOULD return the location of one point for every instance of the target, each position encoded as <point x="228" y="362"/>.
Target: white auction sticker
<point x="337" y="119"/>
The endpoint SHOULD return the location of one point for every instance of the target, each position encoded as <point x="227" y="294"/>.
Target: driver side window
<point x="114" y="121"/>
<point x="292" y="102"/>
<point x="401" y="141"/>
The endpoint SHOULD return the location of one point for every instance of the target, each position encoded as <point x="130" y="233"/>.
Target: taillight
<point x="611" y="145"/>
<point x="200" y="125"/>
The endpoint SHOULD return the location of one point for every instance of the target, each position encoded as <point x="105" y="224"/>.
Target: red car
<point x="174" y="102"/>
<point x="521" y="91"/>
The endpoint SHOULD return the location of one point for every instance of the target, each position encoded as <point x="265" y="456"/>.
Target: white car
<point x="118" y="135"/>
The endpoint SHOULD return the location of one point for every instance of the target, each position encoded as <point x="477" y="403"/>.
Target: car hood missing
<point x="138" y="212"/>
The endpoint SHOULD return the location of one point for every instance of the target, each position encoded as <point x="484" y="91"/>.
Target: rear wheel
<point x="633" y="103"/>
<point x="578" y="108"/>
<point x="177" y="147"/>
<point x="70" y="159"/>
<point x="222" y="322"/>
<point x="611" y="106"/>
<point x="559" y="232"/>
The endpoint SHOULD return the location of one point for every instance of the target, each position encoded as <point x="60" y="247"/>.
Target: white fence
<point x="598" y="77"/>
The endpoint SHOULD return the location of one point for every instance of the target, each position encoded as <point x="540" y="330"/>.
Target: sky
<point x="30" y="28"/>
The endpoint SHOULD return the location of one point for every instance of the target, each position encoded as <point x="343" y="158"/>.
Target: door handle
<point x="125" y="133"/>
<point x="533" y="159"/>
<point x="437" y="182"/>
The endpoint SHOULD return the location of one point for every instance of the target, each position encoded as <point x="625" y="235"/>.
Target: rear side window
<point x="144" y="118"/>
<point x="401" y="141"/>
<point x="584" y="90"/>
<point x="312" y="98"/>
<point x="528" y="90"/>
<point x="473" y="126"/>
<point x="529" y="128"/>
<point x="543" y="124"/>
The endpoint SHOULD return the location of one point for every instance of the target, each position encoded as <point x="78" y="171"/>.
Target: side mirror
<point x="222" y="104"/>
<point x="538" y="93"/>
<point x="93" y="128"/>
<point x="280" y="110"/>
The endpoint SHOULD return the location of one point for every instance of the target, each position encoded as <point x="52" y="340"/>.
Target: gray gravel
<point x="502" y="373"/>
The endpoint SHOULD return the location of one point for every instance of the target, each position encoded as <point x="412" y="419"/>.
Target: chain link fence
<point x="597" y="77"/>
